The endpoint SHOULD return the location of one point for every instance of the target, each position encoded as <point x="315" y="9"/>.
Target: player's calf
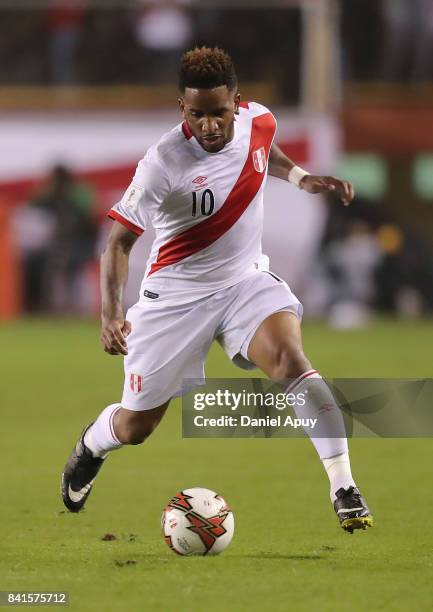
<point x="133" y="426"/>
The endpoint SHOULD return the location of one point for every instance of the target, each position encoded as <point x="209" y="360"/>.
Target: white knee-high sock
<point x="329" y="434"/>
<point x="100" y="437"/>
<point x="339" y="473"/>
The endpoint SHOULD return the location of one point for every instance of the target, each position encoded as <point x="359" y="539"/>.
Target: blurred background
<point x="86" y="87"/>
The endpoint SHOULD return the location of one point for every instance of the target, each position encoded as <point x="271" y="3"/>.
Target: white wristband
<point x="296" y="175"/>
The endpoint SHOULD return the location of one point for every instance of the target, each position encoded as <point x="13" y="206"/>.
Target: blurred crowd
<point x="76" y="44"/>
<point x="368" y="263"/>
<point x="56" y="233"/>
<point x="69" y="42"/>
<point x="367" y="260"/>
<point x="390" y="40"/>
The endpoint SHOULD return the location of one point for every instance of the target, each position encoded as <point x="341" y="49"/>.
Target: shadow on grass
<point x="143" y="557"/>
<point x="277" y="556"/>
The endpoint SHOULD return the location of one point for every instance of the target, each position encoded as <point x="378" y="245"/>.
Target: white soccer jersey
<point x="206" y="208"/>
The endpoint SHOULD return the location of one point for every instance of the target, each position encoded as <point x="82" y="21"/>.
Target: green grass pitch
<point x="288" y="552"/>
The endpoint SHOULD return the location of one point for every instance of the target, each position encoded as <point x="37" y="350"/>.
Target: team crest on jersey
<point x="136" y="383"/>
<point x="259" y="159"/>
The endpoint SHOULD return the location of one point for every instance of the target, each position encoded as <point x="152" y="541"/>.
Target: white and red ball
<point x="197" y="521"/>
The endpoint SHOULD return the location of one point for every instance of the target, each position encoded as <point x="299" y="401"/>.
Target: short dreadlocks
<point x="205" y="68"/>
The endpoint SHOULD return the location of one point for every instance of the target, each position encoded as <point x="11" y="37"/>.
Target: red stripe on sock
<point x="304" y="376"/>
<point x="110" y="422"/>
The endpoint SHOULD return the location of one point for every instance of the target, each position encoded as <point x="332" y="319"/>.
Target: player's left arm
<point x="280" y="166"/>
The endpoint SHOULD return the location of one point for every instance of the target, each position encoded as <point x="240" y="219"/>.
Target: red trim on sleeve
<point x="186" y="130"/>
<point x="113" y="214"/>
<point x="244" y="105"/>
<point x="204" y="233"/>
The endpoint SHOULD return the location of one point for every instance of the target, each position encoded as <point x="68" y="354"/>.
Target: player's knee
<point x="289" y="363"/>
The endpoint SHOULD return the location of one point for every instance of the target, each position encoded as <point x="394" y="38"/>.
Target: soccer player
<point x="201" y="186"/>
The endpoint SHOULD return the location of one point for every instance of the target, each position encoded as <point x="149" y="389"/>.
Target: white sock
<point x="339" y="473"/>
<point x="329" y="434"/>
<point x="100" y="437"/>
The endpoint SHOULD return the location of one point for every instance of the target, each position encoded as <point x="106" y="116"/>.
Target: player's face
<point x="210" y="114"/>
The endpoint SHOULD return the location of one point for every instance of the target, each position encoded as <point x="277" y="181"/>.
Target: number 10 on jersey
<point x="207" y="203"/>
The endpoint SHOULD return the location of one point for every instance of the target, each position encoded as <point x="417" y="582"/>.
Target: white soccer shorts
<point x="169" y="343"/>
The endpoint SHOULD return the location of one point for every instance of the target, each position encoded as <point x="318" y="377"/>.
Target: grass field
<point x="288" y="552"/>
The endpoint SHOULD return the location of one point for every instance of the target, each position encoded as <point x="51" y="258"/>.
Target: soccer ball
<point x="197" y="522"/>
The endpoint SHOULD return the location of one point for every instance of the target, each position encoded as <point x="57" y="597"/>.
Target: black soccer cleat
<point x="78" y="475"/>
<point x="351" y="509"/>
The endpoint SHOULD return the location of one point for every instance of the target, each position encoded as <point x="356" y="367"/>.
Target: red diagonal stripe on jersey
<point x="206" y="232"/>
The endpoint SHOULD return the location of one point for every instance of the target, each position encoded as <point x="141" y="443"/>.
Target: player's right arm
<point x="142" y="199"/>
<point x="114" y="274"/>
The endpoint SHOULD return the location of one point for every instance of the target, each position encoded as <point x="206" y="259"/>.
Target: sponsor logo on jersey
<point x="200" y="181"/>
<point x="136" y="383"/>
<point x="259" y="159"/>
